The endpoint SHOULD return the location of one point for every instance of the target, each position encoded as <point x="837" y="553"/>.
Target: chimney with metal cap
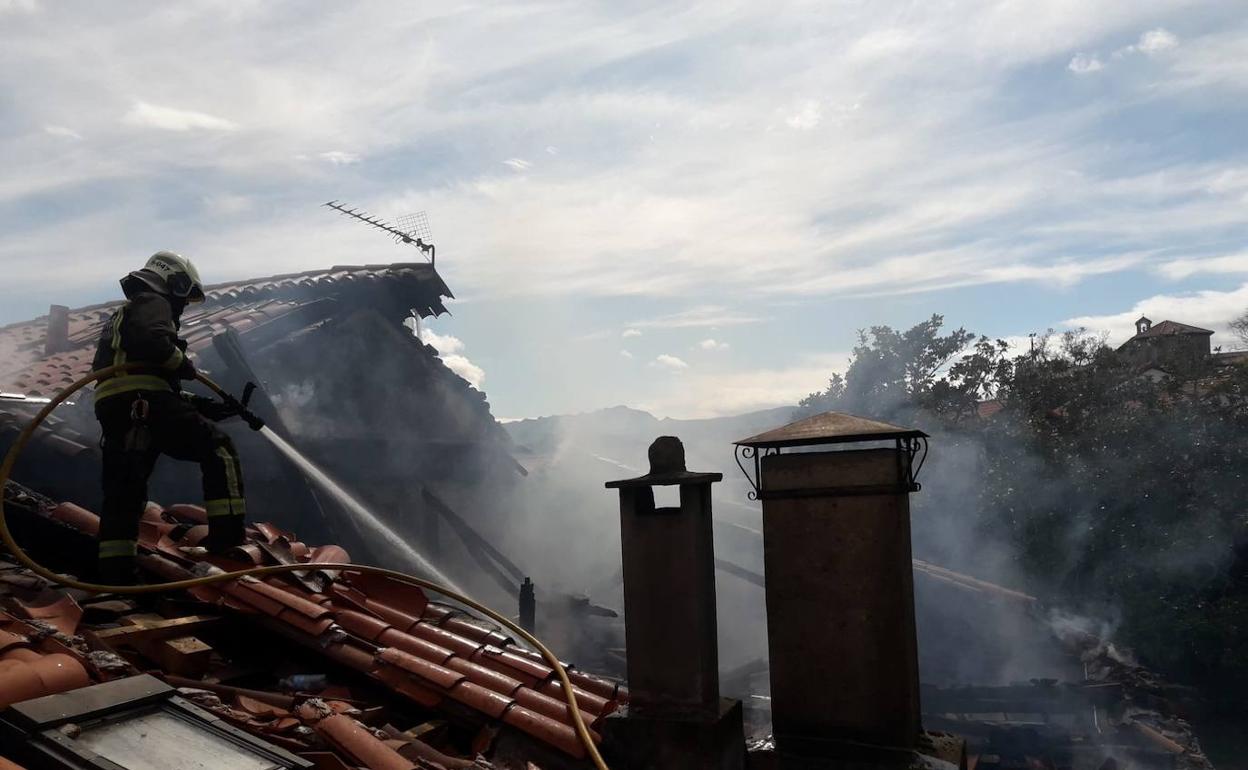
<point x="57" y="339"/>
<point x="839" y="583"/>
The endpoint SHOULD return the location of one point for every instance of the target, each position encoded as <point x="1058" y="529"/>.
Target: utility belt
<point x="128" y="383"/>
<point x="139" y="437"/>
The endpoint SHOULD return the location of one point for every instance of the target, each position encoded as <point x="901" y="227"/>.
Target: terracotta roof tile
<point x="363" y="626"/>
<point x="545" y="729"/>
<point x="77" y="517"/>
<point x="359" y="743"/>
<point x="439" y="677"/>
<point x="507" y="661"/>
<point x="416" y="646"/>
<point x="245" y="305"/>
<point x="26" y="671"/>
<point x="383" y="629"/>
<point x="1165" y="328"/>
<point x="427" y="652"/>
<point x="62" y="612"/>
<point x="488" y="702"/>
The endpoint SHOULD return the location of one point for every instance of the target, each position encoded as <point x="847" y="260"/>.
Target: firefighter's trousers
<point x="131" y="447"/>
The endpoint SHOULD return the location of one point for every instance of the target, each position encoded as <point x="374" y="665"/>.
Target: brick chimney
<point x="57" y="339"/>
<point x="839" y="583"/>
<point x="675" y="717"/>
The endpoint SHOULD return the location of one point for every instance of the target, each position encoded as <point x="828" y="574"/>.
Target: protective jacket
<point x="144" y="330"/>
<point x="143" y="415"/>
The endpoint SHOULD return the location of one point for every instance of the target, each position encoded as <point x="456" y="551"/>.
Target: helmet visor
<point x="182" y="285"/>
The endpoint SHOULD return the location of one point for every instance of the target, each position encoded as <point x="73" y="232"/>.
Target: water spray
<point x="361" y="513"/>
<point x="326" y="484"/>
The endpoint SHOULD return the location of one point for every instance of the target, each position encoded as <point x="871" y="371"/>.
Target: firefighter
<point x="144" y="414"/>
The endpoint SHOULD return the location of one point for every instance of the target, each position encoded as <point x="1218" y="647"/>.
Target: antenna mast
<point x="413" y="228"/>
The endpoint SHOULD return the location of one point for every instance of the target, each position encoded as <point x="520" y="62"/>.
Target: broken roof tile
<point x="62" y="612"/>
<point x="359" y="743"/>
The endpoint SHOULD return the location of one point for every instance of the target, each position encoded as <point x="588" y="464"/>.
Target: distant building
<point x="1166" y="344"/>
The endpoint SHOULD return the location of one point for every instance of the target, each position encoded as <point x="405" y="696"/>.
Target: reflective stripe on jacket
<point x="144" y="330"/>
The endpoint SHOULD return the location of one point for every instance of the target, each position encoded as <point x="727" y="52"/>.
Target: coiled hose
<point x="10" y="459"/>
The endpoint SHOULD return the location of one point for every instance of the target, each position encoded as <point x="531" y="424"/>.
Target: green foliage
<point x="1113" y="491"/>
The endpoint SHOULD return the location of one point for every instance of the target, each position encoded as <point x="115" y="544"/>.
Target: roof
<point x="1236" y="357"/>
<point x="1169" y="328"/>
<point x="276" y="301"/>
<point x="989" y="408"/>
<point x="829" y="428"/>
<point x="430" y="654"/>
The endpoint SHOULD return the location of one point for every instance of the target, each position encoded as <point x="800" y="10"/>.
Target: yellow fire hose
<point x="6" y="536"/>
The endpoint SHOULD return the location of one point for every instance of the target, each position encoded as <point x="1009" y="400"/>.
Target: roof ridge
<point x="391" y="266"/>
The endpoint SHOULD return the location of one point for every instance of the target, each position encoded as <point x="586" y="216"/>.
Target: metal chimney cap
<point x="667" y="467"/>
<point x="829" y="428"/>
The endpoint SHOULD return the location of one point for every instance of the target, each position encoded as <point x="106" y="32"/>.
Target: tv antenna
<point x="412" y="228"/>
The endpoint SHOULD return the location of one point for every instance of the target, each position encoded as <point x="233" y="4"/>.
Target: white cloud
<point x="670" y="362"/>
<point x="1185" y="268"/>
<point x="474" y="374"/>
<point x="517" y="164"/>
<point x="18" y="6"/>
<point x="715" y="394"/>
<point x="718" y="207"/>
<point x="1063" y="273"/>
<point x="62" y="132"/>
<point x="445" y="343"/>
<point x="1207" y="309"/>
<point x="148" y="115"/>
<point x="1084" y="64"/>
<point x="339" y="157"/>
<point x="1155" y="41"/>
<point x="626" y="354"/>
<point x="450" y="350"/>
<point x="226" y="204"/>
<point x="1210" y="63"/>
<point x="711" y="344"/>
<point x="806" y="117"/>
<point x="631" y="333"/>
<point x="700" y="316"/>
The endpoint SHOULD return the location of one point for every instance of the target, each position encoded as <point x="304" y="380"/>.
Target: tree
<point x="892" y="372"/>
<point x="1116" y="493"/>
<point x="1240" y="327"/>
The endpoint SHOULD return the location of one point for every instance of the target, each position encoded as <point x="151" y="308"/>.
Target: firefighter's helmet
<point x="171" y="274"/>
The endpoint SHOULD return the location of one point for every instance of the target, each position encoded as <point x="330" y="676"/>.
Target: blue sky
<point x="685" y="207"/>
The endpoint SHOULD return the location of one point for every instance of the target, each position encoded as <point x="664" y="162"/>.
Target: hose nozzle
<point x="251" y="418"/>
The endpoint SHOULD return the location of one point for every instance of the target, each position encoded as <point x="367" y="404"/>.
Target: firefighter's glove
<point x="212" y="409"/>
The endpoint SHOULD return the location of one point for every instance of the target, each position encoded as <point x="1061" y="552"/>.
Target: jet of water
<point x="361" y="513"/>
